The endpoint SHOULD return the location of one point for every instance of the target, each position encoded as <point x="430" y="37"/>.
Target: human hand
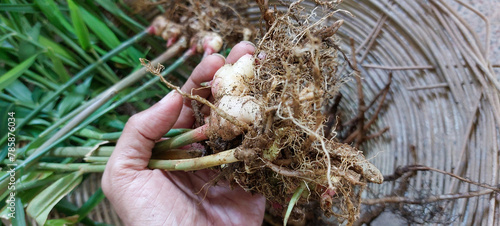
<point x="142" y="196"/>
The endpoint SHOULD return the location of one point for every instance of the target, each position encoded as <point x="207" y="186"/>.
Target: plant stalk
<point x="190" y="137"/>
<point x="191" y="164"/>
<point x="220" y="158"/>
<point x="88" y="133"/>
<point x="83" y="167"/>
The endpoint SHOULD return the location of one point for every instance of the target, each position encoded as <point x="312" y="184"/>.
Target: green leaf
<point x="20" y="218"/>
<point x="34" y="32"/>
<point x="5" y="108"/>
<point x="84" y="87"/>
<point x="71" y="220"/>
<point x="22" y="8"/>
<point x="100" y="29"/>
<point x="90" y="204"/>
<point x="9" y="77"/>
<point x="74" y="98"/>
<point x="56" y="47"/>
<point x="39" y="121"/>
<point x="293" y="200"/>
<point x="26" y="47"/>
<point x="106" y="35"/>
<point x="20" y="92"/>
<point x="26" y="50"/>
<point x="68" y="103"/>
<point x="6" y="36"/>
<point x="40" y="207"/>
<point x="115" y="10"/>
<point x="81" y="30"/>
<point x="58" y="66"/>
<point x="54" y="15"/>
<point x="116" y="59"/>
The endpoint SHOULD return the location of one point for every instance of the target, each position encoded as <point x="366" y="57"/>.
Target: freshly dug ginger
<point x="232" y="79"/>
<point x="230" y="90"/>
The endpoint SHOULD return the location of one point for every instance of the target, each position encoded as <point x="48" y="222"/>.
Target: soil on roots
<point x="295" y="80"/>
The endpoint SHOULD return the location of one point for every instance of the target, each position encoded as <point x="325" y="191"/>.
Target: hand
<point x="142" y="196"/>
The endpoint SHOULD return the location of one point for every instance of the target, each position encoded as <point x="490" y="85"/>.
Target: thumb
<point x="133" y="149"/>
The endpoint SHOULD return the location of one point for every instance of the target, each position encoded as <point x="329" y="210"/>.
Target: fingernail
<point x="206" y="84"/>
<point x="168" y="97"/>
<point x="219" y="55"/>
<point x="249" y="43"/>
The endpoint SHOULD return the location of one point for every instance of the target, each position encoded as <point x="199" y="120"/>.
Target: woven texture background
<point x="446" y="107"/>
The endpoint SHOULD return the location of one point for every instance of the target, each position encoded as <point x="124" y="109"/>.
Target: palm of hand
<point x="185" y="198"/>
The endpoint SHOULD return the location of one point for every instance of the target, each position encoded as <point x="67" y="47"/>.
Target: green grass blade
<point x="100" y="29"/>
<point x="40" y="207"/>
<point x="26" y="185"/>
<point x="88" y="133"/>
<point x="21" y="8"/>
<point x="5" y="108"/>
<point x="105" y="34"/>
<point x="80" y="29"/>
<point x="115" y="10"/>
<point x="90" y="204"/>
<point x="295" y="197"/>
<point x="20" y="218"/>
<point x="69" y="209"/>
<point x="9" y="77"/>
<point x="54" y="15"/>
<point x="58" y="49"/>
<point x="20" y="92"/>
<point x="71" y="220"/>
<point x="105" y="70"/>
<point x="58" y="66"/>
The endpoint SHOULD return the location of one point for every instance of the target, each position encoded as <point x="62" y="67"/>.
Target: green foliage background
<point x="51" y="54"/>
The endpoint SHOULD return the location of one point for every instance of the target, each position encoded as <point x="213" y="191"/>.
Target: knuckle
<point x="134" y="119"/>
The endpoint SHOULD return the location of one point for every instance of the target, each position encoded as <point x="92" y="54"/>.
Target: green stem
<point x="192" y="164"/>
<point x="82" y="167"/>
<point x="88" y="133"/>
<point x="220" y="158"/>
<point x="91" y="134"/>
<point x="41" y="151"/>
<point x="77" y="77"/>
<point x="96" y="159"/>
<point x="190" y="137"/>
<point x="91" y="154"/>
<point x="79" y="152"/>
<point x="110" y="76"/>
